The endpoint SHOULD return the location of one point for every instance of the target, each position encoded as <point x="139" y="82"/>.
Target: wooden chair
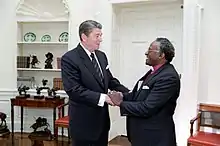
<point x="208" y="116"/>
<point x="62" y="121"/>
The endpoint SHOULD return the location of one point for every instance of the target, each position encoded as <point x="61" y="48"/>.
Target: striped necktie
<point x="96" y="66"/>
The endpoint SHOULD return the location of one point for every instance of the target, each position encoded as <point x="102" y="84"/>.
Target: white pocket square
<point x="145" y="87"/>
<point x="107" y="67"/>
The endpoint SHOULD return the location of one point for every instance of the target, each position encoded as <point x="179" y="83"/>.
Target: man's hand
<point x="108" y="100"/>
<point x="116" y="97"/>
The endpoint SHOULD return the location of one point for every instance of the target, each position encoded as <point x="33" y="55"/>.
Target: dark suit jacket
<point x="150" y="109"/>
<point x="81" y="83"/>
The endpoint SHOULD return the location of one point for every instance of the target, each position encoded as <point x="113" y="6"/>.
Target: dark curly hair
<point x="166" y="47"/>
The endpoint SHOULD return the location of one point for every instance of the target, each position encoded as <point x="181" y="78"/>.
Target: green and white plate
<point x="29" y="37"/>
<point x="46" y="38"/>
<point x="63" y="37"/>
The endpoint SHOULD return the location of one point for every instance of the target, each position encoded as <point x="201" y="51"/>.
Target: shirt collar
<point x="86" y="50"/>
<point x="156" y="67"/>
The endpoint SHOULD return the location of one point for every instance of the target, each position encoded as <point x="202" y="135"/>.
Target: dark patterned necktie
<point x="96" y="66"/>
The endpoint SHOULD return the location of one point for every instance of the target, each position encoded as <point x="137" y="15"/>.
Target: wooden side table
<point x="35" y="103"/>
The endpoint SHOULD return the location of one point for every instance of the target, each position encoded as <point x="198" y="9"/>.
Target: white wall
<point x="8" y="55"/>
<point x="210" y="52"/>
<point x="201" y="55"/>
<point x="7" y="45"/>
<point x="186" y="108"/>
<point x="100" y="11"/>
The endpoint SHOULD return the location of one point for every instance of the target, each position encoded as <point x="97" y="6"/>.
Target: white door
<point x="140" y="25"/>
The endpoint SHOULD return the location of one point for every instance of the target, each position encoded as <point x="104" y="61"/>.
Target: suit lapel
<point x="88" y="63"/>
<point x="144" y="80"/>
<point x="148" y="77"/>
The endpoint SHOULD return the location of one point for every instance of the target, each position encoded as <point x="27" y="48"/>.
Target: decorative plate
<point x="46" y="38"/>
<point x="29" y="37"/>
<point x="63" y="37"/>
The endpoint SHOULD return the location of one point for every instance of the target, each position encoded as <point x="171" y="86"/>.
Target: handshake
<point x="114" y="98"/>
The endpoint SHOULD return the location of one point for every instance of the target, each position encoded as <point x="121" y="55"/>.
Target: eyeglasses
<point x="157" y="51"/>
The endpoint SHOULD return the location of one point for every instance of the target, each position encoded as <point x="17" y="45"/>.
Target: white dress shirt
<point x="102" y="96"/>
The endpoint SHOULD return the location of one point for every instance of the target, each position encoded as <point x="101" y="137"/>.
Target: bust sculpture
<point x="49" y="61"/>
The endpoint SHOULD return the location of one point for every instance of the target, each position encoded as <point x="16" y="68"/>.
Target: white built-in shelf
<point x="39" y="69"/>
<point x="41" y="17"/>
<point x="43" y="43"/>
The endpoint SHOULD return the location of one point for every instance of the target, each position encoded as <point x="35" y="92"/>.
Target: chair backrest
<point x="210" y="116"/>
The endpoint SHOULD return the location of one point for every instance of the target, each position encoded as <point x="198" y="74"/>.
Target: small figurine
<point x="38" y="89"/>
<point x="3" y="126"/>
<point x="49" y="91"/>
<point x="49" y="61"/>
<point x="42" y="124"/>
<point x="3" y="117"/>
<point x="52" y="92"/>
<point x="23" y="91"/>
<point x="34" y="61"/>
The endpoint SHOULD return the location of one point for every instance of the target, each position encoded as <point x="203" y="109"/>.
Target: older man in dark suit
<point x="86" y="79"/>
<point x="151" y="104"/>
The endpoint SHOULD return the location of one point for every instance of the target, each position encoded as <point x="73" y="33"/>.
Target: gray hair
<point x="87" y="26"/>
<point x="166" y="47"/>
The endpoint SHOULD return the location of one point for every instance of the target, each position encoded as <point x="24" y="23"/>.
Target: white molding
<point x="19" y="3"/>
<point x="39" y="69"/>
<point x="131" y="1"/>
<point x="9" y="93"/>
<point x="8" y="90"/>
<point x="28" y="9"/>
<point x="200" y="6"/>
<point x="35" y="20"/>
<point x="125" y="1"/>
<point x="66" y="5"/>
